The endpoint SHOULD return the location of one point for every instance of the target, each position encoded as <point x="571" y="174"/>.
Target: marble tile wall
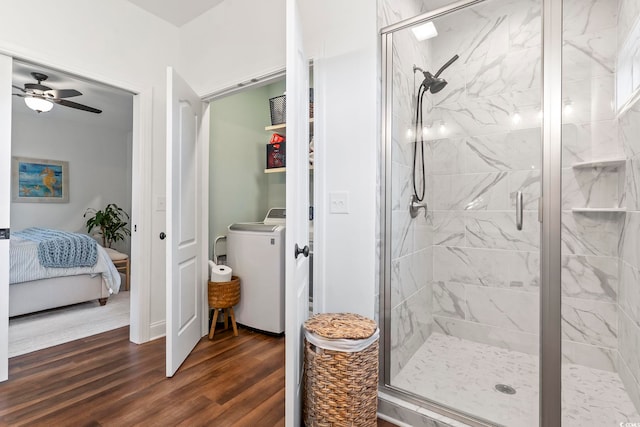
<point x="590" y="252"/>
<point x="411" y="242"/>
<point x="629" y="245"/>
<point x="485" y="146"/>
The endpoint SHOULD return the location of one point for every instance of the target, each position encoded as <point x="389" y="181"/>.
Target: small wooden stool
<point x="223" y="296"/>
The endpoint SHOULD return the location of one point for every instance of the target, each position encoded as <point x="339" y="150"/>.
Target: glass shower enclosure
<point x="487" y="311"/>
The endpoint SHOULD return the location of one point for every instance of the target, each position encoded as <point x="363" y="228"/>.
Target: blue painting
<point x="39" y="180"/>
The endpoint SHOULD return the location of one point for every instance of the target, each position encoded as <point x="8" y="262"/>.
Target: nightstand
<point x="121" y="262"/>
<point x="122" y="265"/>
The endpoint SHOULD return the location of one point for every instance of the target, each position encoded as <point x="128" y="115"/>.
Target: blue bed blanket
<point x="61" y="249"/>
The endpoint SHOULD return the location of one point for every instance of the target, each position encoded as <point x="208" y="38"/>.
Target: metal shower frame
<point x="549" y="215"/>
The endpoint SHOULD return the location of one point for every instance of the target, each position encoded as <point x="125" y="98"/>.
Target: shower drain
<point x="506" y="389"/>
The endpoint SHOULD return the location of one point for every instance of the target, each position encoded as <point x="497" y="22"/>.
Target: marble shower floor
<point x="462" y="374"/>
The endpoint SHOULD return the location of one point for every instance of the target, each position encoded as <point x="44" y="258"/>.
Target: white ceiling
<point x="116" y="104"/>
<point x="176" y="12"/>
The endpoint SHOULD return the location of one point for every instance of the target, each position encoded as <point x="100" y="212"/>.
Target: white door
<point x="6" y="65"/>
<point x="185" y="234"/>
<point x="297" y="264"/>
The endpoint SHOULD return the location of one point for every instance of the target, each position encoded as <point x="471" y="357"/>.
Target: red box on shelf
<point x="276" y="155"/>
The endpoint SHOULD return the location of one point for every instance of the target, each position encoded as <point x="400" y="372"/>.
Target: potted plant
<point x="111" y="222"/>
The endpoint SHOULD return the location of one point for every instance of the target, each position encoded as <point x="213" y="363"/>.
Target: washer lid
<point x="253" y="226"/>
<point x="276" y="216"/>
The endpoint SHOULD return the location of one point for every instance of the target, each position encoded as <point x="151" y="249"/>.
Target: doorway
<point x="243" y="185"/>
<point x="98" y="151"/>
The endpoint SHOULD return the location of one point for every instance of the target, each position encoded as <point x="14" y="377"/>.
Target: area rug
<point x="36" y="331"/>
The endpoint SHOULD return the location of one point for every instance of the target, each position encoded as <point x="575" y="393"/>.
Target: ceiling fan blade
<point x="62" y="93"/>
<point x="75" y="105"/>
<point x="19" y="88"/>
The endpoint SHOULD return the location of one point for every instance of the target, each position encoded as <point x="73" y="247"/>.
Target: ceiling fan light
<point x="38" y="104"/>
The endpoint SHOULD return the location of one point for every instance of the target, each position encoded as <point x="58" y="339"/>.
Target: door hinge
<point x="310" y="213"/>
<point x="5" y="233"/>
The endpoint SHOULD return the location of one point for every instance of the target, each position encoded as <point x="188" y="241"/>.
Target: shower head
<point x="433" y="82"/>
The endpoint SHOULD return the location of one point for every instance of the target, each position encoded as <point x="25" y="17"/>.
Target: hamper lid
<point x="341" y="326"/>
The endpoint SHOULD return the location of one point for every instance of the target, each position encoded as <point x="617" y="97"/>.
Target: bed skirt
<point x="38" y="295"/>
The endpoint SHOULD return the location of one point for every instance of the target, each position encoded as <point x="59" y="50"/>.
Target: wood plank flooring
<point x="105" y="380"/>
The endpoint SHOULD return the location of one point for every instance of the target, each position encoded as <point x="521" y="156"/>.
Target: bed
<point x="35" y="287"/>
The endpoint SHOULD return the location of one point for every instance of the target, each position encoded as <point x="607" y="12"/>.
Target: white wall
<point x="118" y="43"/>
<point x="233" y="42"/>
<point x="341" y="38"/>
<point x="98" y="169"/>
<point x="238" y="186"/>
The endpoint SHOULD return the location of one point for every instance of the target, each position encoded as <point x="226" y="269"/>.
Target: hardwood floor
<point x="105" y="380"/>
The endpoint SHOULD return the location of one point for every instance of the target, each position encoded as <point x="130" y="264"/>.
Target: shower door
<point x="461" y="185"/>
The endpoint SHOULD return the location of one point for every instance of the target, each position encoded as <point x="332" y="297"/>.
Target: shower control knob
<point x="304" y="251"/>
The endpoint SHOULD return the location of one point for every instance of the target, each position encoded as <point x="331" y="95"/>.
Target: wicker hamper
<point x="224" y="295"/>
<point x="340" y="387"/>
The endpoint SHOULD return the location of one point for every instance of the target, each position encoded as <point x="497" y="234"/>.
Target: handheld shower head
<point x="433" y="82"/>
<point x="445" y="66"/>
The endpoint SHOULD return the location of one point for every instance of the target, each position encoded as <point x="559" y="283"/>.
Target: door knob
<point x="162" y="235"/>
<point x="304" y="251"/>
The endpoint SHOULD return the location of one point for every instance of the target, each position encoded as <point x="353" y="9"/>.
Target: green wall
<point x="239" y="190"/>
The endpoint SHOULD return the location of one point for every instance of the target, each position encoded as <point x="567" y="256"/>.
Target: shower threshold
<point x="463" y="375"/>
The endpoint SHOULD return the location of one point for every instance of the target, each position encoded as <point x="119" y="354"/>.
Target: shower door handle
<point x="519" y="205"/>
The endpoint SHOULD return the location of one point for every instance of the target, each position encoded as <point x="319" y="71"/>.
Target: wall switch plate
<point x="161" y="203"/>
<point x="339" y="202"/>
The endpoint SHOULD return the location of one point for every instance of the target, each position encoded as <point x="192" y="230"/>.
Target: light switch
<point x="339" y="202"/>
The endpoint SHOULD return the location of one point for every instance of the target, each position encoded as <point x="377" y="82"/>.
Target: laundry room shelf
<point x="277" y="170"/>
<point x="282" y="127"/>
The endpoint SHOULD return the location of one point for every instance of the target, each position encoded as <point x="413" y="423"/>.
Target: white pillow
<point x="115" y="255"/>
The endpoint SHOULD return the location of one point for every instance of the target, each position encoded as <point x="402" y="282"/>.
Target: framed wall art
<point x="39" y="181"/>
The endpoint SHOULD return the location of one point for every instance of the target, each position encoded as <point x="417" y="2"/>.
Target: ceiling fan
<point x="41" y="98"/>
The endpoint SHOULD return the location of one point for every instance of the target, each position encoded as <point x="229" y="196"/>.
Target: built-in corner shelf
<point x="599" y="210"/>
<point x="600" y="163"/>
<point x="608" y="163"/>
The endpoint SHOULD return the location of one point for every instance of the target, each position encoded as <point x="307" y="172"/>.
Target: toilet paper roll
<point x="220" y="273"/>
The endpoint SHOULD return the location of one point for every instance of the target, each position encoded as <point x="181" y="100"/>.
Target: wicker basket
<point x="224" y="294"/>
<point x="340" y="388"/>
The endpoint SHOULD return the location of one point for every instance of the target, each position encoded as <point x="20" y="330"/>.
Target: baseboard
<point x="157" y="330"/>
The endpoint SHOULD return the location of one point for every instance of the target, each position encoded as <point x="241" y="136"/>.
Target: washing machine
<point x="255" y="252"/>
